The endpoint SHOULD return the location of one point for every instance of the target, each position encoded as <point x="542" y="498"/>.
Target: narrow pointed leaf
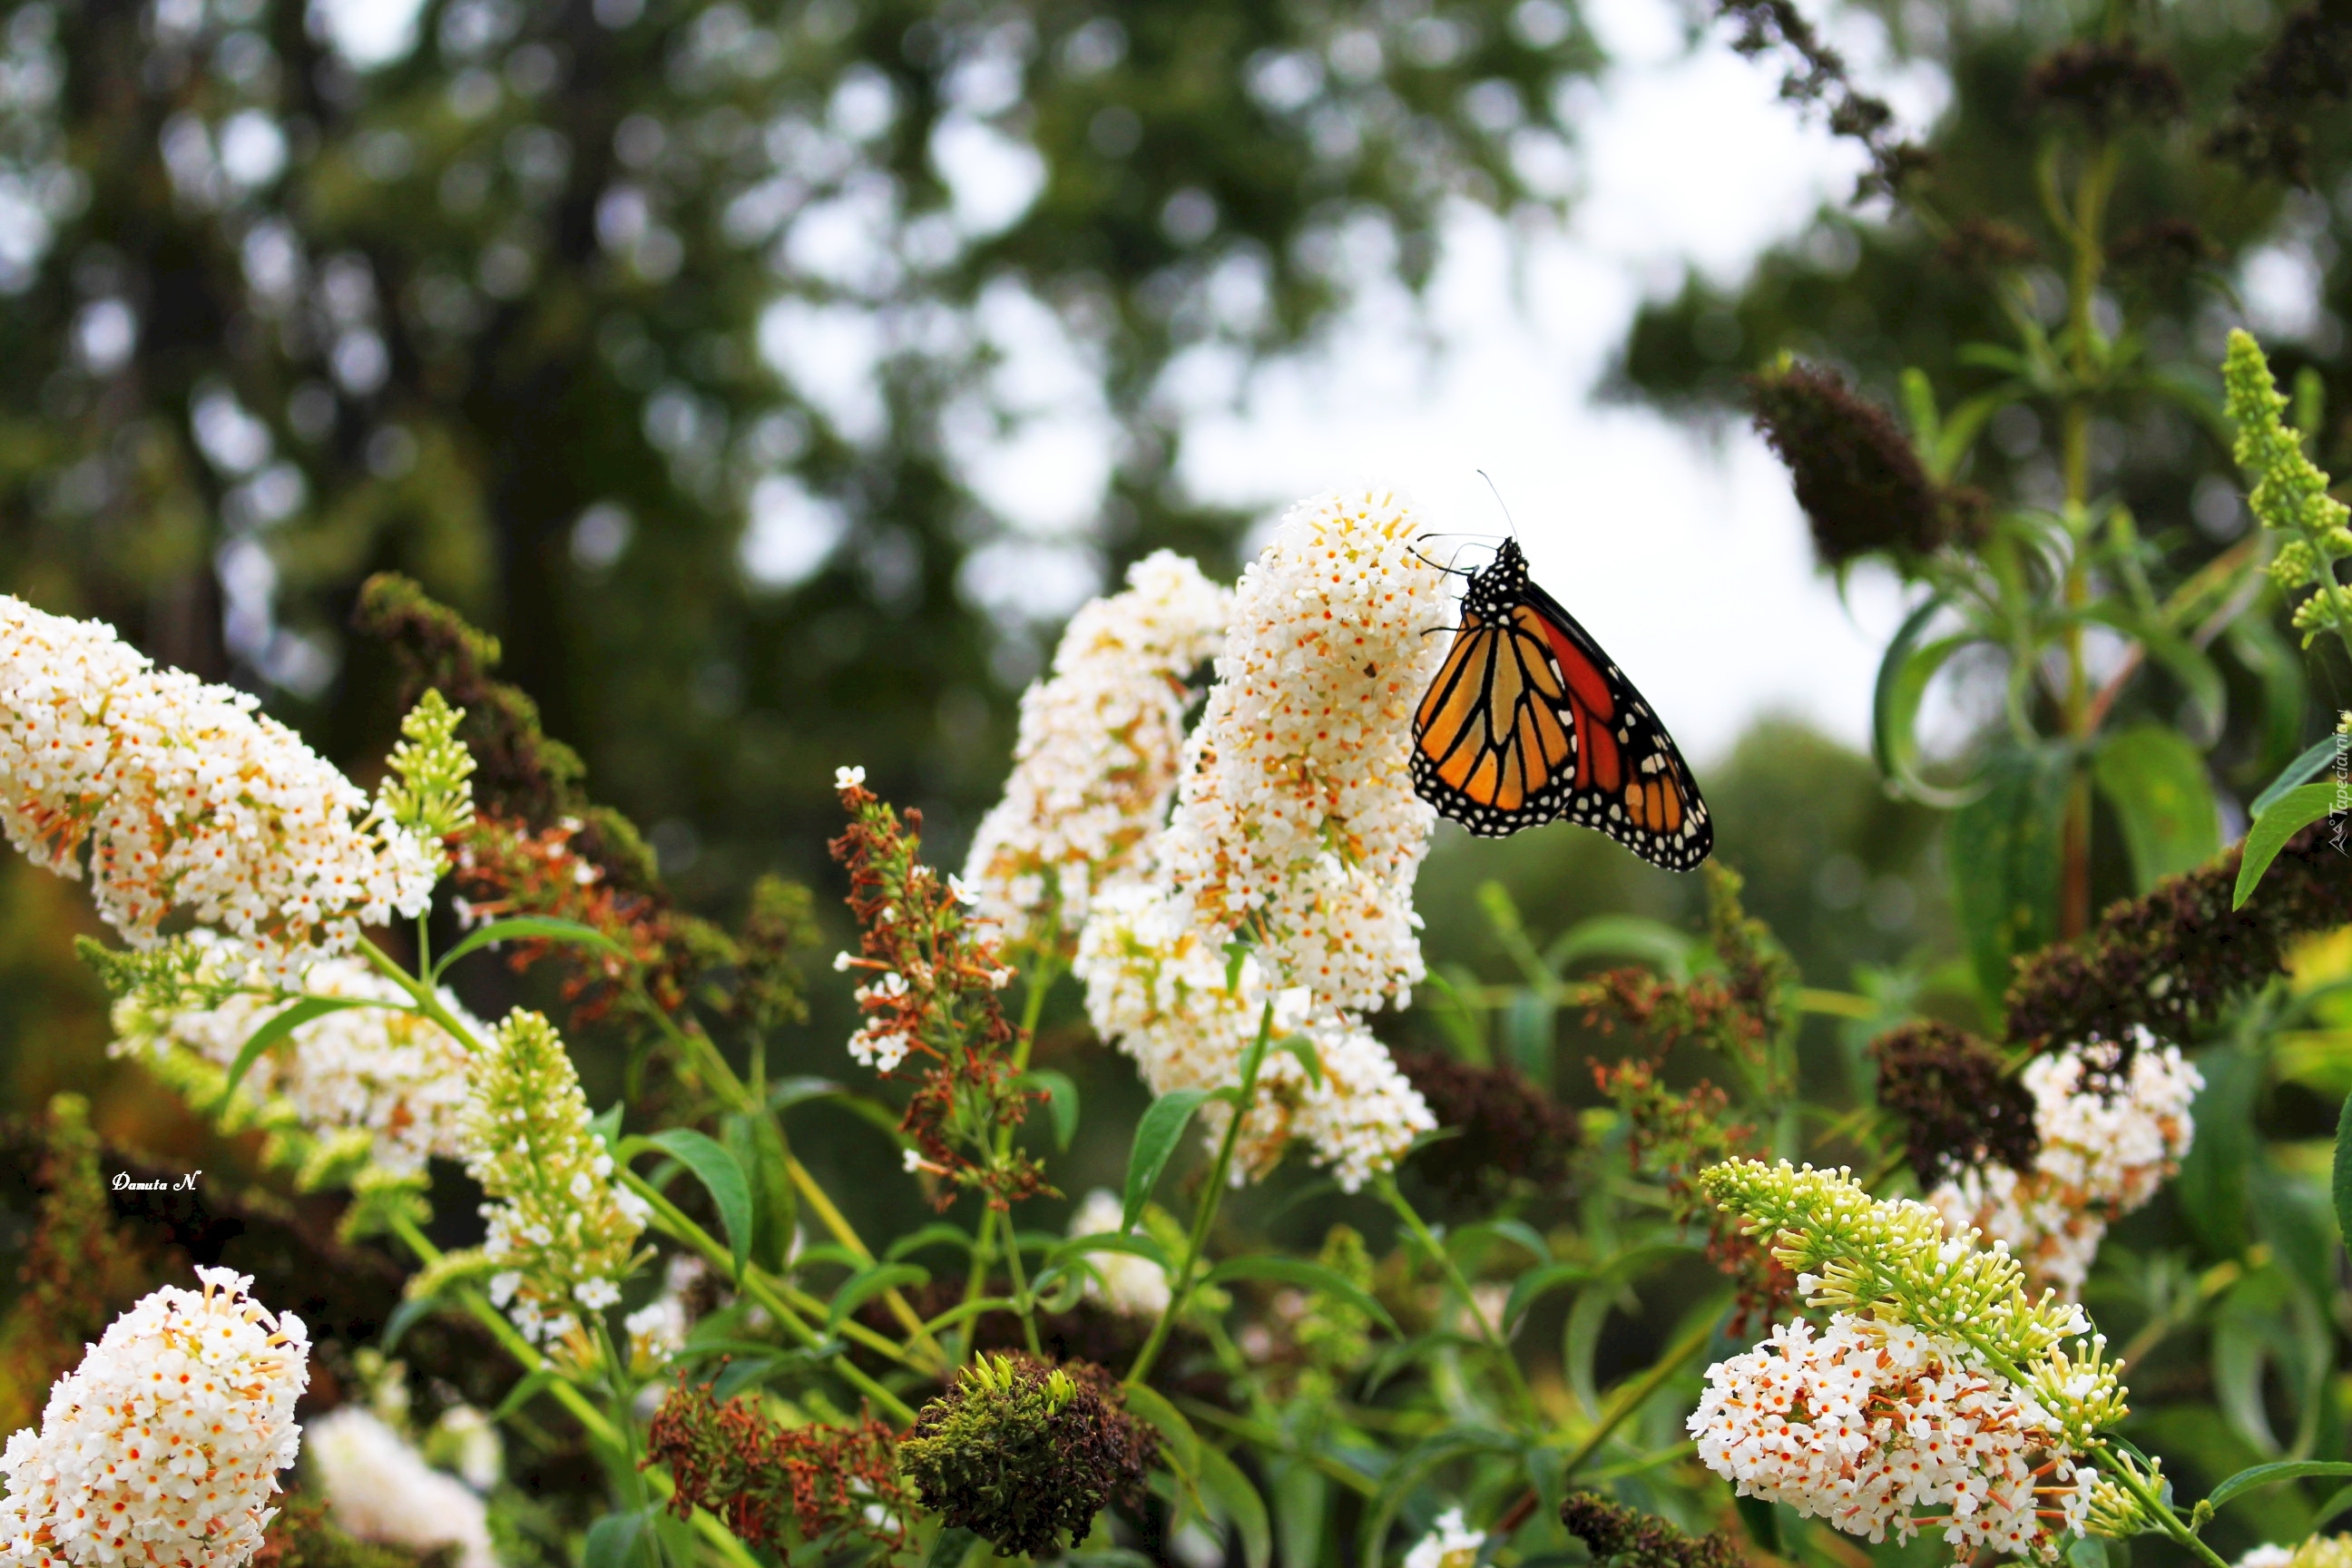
<point x="1156" y="1137"/>
<point x="530" y="928"/>
<point x="721" y="1176"/>
<point x="2288" y="815"/>
<point x="278" y="1026"/>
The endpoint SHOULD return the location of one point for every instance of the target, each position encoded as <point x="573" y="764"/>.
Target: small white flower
<point x="379" y="1488"/>
<point x="848" y="778"/>
<point x="843" y="962"/>
<point x="1453" y="1544"/>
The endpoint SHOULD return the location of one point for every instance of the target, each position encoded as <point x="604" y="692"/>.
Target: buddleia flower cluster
<point x="429" y="789"/>
<point x="381" y="1489"/>
<point x="185" y="798"/>
<point x="2107" y="1138"/>
<point x="2289" y="494"/>
<point x="2319" y="1552"/>
<point x="1298" y="833"/>
<point x="381" y="1080"/>
<point x="1096" y="757"/>
<point x="562" y="1234"/>
<point x="162" y="1449"/>
<point x="1939" y="1394"/>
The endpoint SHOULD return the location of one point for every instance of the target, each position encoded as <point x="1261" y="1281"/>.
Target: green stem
<point x="1530" y="1411"/>
<point x="1034" y="990"/>
<point x="753" y="1283"/>
<point x="1204" y="1217"/>
<point x="1023" y="1303"/>
<point x="1633" y="1395"/>
<point x="591" y="1420"/>
<point x="2171" y="1524"/>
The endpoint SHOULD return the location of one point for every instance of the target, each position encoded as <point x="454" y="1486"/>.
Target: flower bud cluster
<point x="188" y="799"/>
<point x="2105" y="1147"/>
<point x="162" y="1449"/>
<point x="1098" y="753"/>
<point x="562" y="1233"/>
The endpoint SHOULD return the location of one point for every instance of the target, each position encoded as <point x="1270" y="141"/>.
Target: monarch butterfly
<point x="1528" y="721"/>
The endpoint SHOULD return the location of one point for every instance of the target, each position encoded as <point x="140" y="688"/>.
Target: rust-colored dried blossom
<point x="505" y="867"/>
<point x="1673" y="1137"/>
<point x="538" y="843"/>
<point x="2172" y="960"/>
<point x="834" y="1483"/>
<point x="1510" y="1130"/>
<point x="1739" y="1013"/>
<point x="1960" y="1105"/>
<point x="1856" y="475"/>
<point x="930" y="995"/>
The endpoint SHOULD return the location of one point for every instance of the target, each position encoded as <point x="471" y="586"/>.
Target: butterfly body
<point x="1528" y="721"/>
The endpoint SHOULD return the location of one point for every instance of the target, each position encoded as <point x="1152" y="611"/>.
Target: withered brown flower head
<point x="2308" y="66"/>
<point x="2162" y="251"/>
<point x="1983" y="244"/>
<point x="2107" y="82"/>
<point x="830" y="1483"/>
<point x="1626" y="1537"/>
<point x="2172" y="960"/>
<point x="1817" y="75"/>
<point x="1960" y="1106"/>
<point x="1863" y="487"/>
<point x="1020" y="1451"/>
<point x="1510" y="1129"/>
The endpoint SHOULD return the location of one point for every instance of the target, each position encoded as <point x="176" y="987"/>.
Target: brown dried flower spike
<point x="834" y="1483"/>
<point x="1959" y="1104"/>
<point x="930" y="997"/>
<point x="1861" y="486"/>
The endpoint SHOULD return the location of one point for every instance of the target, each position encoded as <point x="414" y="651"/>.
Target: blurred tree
<point x="705" y="350"/>
<point x="2118" y="183"/>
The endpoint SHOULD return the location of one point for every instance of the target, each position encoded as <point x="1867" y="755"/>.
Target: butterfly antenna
<point x="1454" y="571"/>
<point x="1497" y="494"/>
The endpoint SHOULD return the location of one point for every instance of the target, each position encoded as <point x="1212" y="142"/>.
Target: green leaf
<point x="522" y="1393"/>
<point x="615" y="1540"/>
<point x="1763" y="1524"/>
<point x="758" y="1145"/>
<point x="279" y="1025"/>
<point x="1903" y="674"/>
<point x="1061" y="1100"/>
<point x="1138" y="1244"/>
<point x="403" y="1317"/>
<point x="1180" y="1445"/>
<point x="1306" y="1275"/>
<point x="2248" y="1480"/>
<point x="2158" y="785"/>
<point x="2300" y="771"/>
<point x="1224" y="1486"/>
<point x="1635" y="937"/>
<point x="2004" y="848"/>
<point x="939" y="1233"/>
<point x="790" y="1091"/>
<point x="758" y="1370"/>
<point x="954" y="1544"/>
<point x="2216" y="1174"/>
<point x="1302" y="1048"/>
<point x="1535" y="1283"/>
<point x="867" y="1283"/>
<point x="2341" y="1181"/>
<point x="530" y="928"/>
<point x="720" y="1177"/>
<point x="2289" y="815"/>
<point x="2086" y="1551"/>
<point x="1156" y="1135"/>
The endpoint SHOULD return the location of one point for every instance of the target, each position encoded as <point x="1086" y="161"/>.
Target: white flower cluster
<point x="657" y="1330"/>
<point x="2319" y="1552"/>
<point x="162" y="1449"/>
<point x="2102" y="1156"/>
<point x="379" y="1488"/>
<point x="188" y="799"/>
<point x="1135" y="1286"/>
<point x="1874" y="1426"/>
<point x="1297" y="827"/>
<point x="396" y="1075"/>
<point x="562" y="1232"/>
<point x="1453" y="1544"/>
<point x="1099" y="745"/>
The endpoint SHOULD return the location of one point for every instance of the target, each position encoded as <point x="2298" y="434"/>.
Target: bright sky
<point x="1682" y="551"/>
